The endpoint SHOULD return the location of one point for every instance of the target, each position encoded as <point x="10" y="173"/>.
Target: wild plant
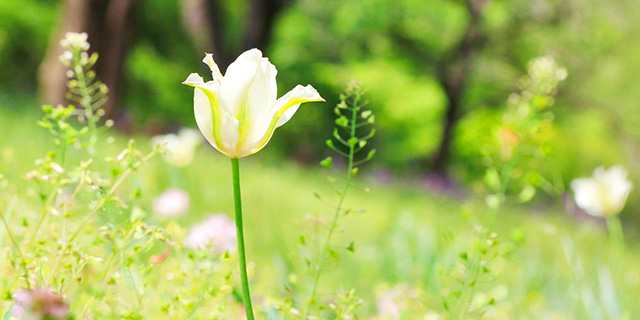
<point x="521" y="138"/>
<point x="77" y="240"/>
<point x="318" y="250"/>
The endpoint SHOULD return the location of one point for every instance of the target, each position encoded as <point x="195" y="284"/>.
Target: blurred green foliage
<point x="327" y="43"/>
<point x="25" y="31"/>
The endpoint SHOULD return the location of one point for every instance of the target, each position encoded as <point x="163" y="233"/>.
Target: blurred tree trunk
<point x="261" y="18"/>
<point x="452" y="71"/>
<point x="52" y="74"/>
<point x="108" y="24"/>
<point x="453" y="75"/>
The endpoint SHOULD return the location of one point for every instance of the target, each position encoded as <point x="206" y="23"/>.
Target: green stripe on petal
<point x="272" y="126"/>
<point x="216" y="117"/>
<point x="244" y="117"/>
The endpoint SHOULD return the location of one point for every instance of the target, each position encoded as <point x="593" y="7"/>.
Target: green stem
<point x="246" y="295"/>
<point x="336" y="215"/>
<point x="616" y="234"/>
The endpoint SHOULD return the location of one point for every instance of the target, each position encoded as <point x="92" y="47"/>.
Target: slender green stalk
<point x="13" y="240"/>
<point x="112" y="190"/>
<point x="617" y="236"/>
<point x="334" y="222"/>
<point x="246" y="295"/>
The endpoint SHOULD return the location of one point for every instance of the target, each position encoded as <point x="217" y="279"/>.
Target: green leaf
<point x="330" y="144"/>
<point x="354" y="171"/>
<point x="351" y="247"/>
<point x="353" y="141"/>
<point x="342" y="121"/>
<point x="371" y="154"/>
<point x="333" y="254"/>
<point x="327" y="162"/>
<point x="372" y="119"/>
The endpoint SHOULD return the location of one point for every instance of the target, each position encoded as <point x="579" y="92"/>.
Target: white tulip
<point x="180" y="147"/>
<point x="238" y="112"/>
<point x="604" y="194"/>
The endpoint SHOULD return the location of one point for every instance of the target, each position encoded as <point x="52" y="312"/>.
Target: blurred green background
<point x="437" y="72"/>
<point x="438" y="75"/>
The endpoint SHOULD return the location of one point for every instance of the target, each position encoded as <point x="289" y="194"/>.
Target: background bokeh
<point x="417" y="59"/>
<point x="438" y="76"/>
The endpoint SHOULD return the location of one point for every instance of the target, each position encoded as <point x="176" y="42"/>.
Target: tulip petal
<point x="283" y="109"/>
<point x="215" y="70"/>
<point x="588" y="196"/>
<point x="255" y="115"/>
<point x="214" y="120"/>
<point x="292" y="101"/>
<point x="270" y="72"/>
<point x="238" y="79"/>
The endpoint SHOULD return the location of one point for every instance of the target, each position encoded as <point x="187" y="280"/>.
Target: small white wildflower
<point x="66" y="57"/>
<point x="391" y="303"/>
<point x="604" y="194"/>
<point x="75" y="40"/>
<point x="180" y="147"/>
<point x="173" y="202"/>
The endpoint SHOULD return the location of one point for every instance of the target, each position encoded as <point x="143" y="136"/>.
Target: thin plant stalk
<point x="616" y="234"/>
<point x="334" y="222"/>
<point x="246" y="294"/>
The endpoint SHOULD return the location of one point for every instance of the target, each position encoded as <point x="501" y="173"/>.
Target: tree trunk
<point x="52" y="74"/>
<point x="107" y="22"/>
<point x="118" y="19"/>
<point x="261" y="18"/>
<point x="453" y="76"/>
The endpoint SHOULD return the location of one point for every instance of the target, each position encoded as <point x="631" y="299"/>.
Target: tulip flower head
<point x="238" y="112"/>
<point x="604" y="194"/>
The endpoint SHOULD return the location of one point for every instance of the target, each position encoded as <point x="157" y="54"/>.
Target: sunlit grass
<point x="404" y="234"/>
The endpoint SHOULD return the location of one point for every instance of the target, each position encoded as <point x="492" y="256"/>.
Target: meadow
<point x="401" y="249"/>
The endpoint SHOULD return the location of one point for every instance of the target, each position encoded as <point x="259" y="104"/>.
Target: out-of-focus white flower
<point x="604" y="194"/>
<point x="391" y="303"/>
<point x="180" y="147"/>
<point x="75" y="40"/>
<point x="238" y="112"/>
<point x="217" y="232"/>
<point x="39" y="304"/>
<point x="173" y="202"/>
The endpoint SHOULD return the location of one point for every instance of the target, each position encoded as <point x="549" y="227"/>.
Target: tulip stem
<point x="246" y="295"/>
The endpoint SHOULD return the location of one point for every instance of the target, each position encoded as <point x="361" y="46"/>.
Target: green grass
<point x="553" y="268"/>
